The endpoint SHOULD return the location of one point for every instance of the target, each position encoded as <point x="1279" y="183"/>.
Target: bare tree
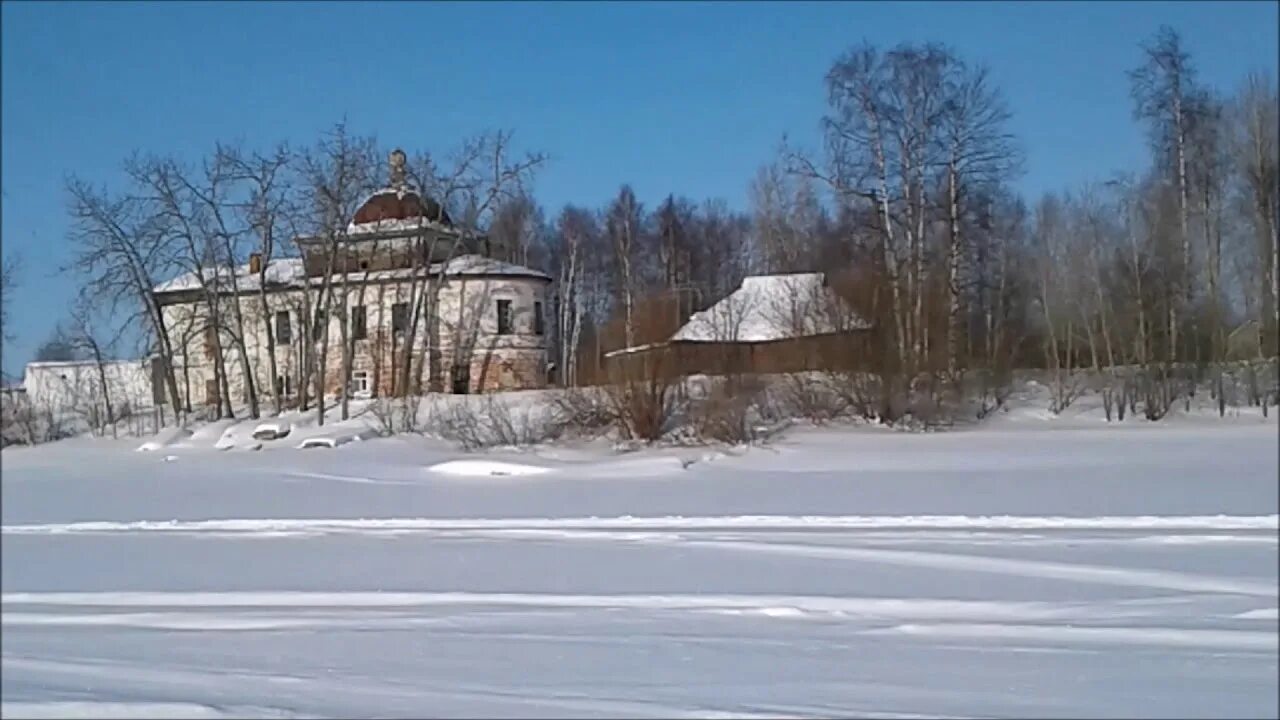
<point x="268" y="212"/>
<point x="10" y="267"/>
<point x="575" y="228"/>
<point x="1161" y="87"/>
<point x="979" y="152"/>
<point x="339" y="173"/>
<point x="1257" y="157"/>
<point x="622" y="225"/>
<point x="120" y="247"/>
<point x="86" y="337"/>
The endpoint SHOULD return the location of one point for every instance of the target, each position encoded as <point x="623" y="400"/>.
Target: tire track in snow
<point x="1246" y="640"/>
<point x="1098" y="574"/>
<point x="274" y="527"/>
<point x="290" y="604"/>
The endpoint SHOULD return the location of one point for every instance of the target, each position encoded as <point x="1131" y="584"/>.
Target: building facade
<point x="401" y="290"/>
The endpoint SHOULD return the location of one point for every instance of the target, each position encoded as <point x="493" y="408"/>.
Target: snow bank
<point x="164" y="439"/>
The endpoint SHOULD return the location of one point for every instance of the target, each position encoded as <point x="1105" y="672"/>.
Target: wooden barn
<point x="770" y="324"/>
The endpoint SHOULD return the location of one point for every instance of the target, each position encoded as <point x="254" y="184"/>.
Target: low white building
<point x="76" y="387"/>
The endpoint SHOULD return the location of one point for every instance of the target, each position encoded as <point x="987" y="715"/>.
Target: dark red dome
<point x="388" y="205"/>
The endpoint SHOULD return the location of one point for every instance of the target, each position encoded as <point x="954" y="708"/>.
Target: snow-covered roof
<point x="279" y="271"/>
<point x="395" y="226"/>
<point x="289" y="272"/>
<point x="48" y="364"/>
<point x="772" y="307"/>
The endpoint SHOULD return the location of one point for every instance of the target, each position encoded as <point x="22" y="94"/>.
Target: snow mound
<point x="481" y="468"/>
<point x="326" y="441"/>
<point x="272" y="430"/>
<point x="165" y="439"/>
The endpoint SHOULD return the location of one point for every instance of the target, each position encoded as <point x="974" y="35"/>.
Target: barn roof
<point x="768" y="308"/>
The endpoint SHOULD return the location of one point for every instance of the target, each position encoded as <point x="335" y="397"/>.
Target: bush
<point x="586" y="410"/>
<point x="733" y="411"/>
<point x="485" y="422"/>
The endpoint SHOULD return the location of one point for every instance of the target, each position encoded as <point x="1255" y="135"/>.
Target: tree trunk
<point x="953" y="268"/>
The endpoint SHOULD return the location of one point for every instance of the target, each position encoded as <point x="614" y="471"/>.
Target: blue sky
<point x="688" y="98"/>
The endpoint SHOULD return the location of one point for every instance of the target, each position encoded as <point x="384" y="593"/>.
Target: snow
<point x="768" y="308"/>
<point x="272" y="430"/>
<point x="394" y="226"/>
<point x="1033" y="568"/>
<point x="279" y="271"/>
<point x="164" y="439"/>
<point x="290" y="273"/>
<point x="472" y="468"/>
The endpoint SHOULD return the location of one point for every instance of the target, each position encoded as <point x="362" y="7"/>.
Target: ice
<point x="1060" y="567"/>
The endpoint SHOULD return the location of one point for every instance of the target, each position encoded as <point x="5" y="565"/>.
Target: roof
<point x="289" y="272"/>
<point x="279" y="271"/>
<point x="772" y="307"/>
<point x="400" y="203"/>
<point x="393" y="227"/>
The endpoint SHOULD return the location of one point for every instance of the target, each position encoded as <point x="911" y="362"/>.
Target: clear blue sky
<point x="688" y="98"/>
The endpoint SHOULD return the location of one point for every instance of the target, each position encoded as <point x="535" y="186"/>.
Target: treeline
<point x="1170" y="270"/>
<point x="1154" y="275"/>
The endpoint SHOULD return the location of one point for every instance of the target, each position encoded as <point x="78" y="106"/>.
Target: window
<point x="321" y="326"/>
<point x="504" y="317"/>
<point x="538" y="323"/>
<point x="360" y="383"/>
<point x="284" y="385"/>
<point x="284" y="333"/>
<point x="359" y="330"/>
<point x="400" y="318"/>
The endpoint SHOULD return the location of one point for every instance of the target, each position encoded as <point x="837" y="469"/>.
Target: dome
<point x="391" y="205"/>
<point x="400" y="201"/>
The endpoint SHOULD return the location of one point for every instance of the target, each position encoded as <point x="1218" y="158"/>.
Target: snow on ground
<point x="1024" y="567"/>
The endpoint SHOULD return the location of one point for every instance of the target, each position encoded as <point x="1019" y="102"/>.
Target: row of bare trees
<point x="200" y="218"/>
<point x="1158" y="268"/>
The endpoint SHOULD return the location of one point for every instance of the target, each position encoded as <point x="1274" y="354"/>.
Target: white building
<point x="76" y="387"/>
<point x="406" y="278"/>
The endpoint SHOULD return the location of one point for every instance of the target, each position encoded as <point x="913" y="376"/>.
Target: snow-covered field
<point x="1023" y="568"/>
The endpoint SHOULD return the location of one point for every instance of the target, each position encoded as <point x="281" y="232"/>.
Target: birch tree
<point x="622" y="225"/>
<point x="1256" y="149"/>
<point x="1161" y="86"/>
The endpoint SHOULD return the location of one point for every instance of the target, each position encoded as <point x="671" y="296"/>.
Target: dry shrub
<point x="1066" y="387"/>
<point x="485" y="422"/>
<point x="1158" y="389"/>
<point x="23" y="423"/>
<point x="735" y="410"/>
<point x="814" y="396"/>
<point x="397" y="415"/>
<point x="586" y="410"/>
<point x="643" y="397"/>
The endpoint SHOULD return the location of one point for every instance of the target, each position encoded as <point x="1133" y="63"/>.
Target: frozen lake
<point x="839" y="572"/>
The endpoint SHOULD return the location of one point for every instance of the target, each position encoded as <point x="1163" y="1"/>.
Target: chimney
<point x="255" y="263"/>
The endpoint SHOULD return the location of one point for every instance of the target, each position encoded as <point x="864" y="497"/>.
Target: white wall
<point x="73" y="387"/>
<point x="468" y="320"/>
